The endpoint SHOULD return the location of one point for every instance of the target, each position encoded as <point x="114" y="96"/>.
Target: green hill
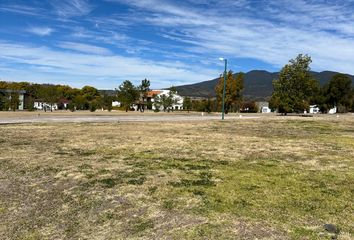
<point x="258" y="85"/>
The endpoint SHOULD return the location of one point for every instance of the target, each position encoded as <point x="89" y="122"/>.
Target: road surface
<point x="35" y="117"/>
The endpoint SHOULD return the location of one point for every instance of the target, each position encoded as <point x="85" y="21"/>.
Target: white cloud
<point x="71" y="8"/>
<point x="84" y="48"/>
<point x="195" y="32"/>
<point x="41" y="31"/>
<point x="48" y="64"/>
<point x="271" y="31"/>
<point x="20" y="9"/>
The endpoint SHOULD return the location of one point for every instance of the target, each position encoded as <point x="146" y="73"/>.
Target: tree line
<point x="86" y="98"/>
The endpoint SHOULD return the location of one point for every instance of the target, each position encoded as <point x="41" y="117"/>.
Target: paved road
<point x="117" y="118"/>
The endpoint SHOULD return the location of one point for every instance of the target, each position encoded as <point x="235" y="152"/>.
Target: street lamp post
<point x="224" y="89"/>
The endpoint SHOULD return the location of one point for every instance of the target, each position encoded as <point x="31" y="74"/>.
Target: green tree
<point x="339" y="92"/>
<point x="127" y="94"/>
<point x="29" y="103"/>
<point x="91" y="98"/>
<point x="70" y="94"/>
<point x="107" y="102"/>
<point x="171" y="98"/>
<point x="187" y="104"/>
<point x="32" y="93"/>
<point x="90" y="93"/>
<point x="165" y="102"/>
<point x="233" y="91"/>
<point x="49" y="94"/>
<point x="295" y="88"/>
<point x="4" y="85"/>
<point x="207" y="105"/>
<point x="14" y="100"/>
<point x="157" y="102"/>
<point x="66" y="92"/>
<point x="79" y="103"/>
<point x="4" y="101"/>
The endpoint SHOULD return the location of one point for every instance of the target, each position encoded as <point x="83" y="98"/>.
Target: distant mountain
<point x="258" y="85"/>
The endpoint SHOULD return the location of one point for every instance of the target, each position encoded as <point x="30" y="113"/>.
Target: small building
<point x="314" y="109"/>
<point x="42" y="105"/>
<point x="263" y="107"/>
<point x="61" y="104"/>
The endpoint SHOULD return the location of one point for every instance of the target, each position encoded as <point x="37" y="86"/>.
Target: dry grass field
<point x="271" y="178"/>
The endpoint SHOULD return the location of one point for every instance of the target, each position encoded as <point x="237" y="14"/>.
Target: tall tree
<point x="166" y="100"/>
<point x="3" y="100"/>
<point x="107" y="102"/>
<point x="144" y="88"/>
<point x="49" y="94"/>
<point x="79" y="103"/>
<point x="127" y="94"/>
<point x="295" y="88"/>
<point x="340" y="92"/>
<point x="14" y="100"/>
<point x="172" y="98"/>
<point x="90" y="93"/>
<point x="92" y="98"/>
<point x="187" y="104"/>
<point x="233" y="90"/>
<point x="157" y="102"/>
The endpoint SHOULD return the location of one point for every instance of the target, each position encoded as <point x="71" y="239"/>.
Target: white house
<point x="62" y="103"/>
<point x="41" y="105"/>
<point x="177" y="100"/>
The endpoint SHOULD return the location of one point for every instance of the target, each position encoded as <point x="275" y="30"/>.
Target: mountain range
<point x="258" y="85"/>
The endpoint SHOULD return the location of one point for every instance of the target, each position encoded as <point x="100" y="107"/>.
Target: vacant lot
<point x="272" y="178"/>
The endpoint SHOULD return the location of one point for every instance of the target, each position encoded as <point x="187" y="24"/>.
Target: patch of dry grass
<point x="258" y="178"/>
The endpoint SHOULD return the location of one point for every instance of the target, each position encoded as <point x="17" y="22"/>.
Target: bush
<point x="341" y="109"/>
<point x="92" y="107"/>
<point x="71" y="107"/>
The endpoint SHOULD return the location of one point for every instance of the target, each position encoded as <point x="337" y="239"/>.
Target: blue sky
<point x="104" y="42"/>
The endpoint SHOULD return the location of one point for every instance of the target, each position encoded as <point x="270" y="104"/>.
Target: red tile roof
<point x="152" y="93"/>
